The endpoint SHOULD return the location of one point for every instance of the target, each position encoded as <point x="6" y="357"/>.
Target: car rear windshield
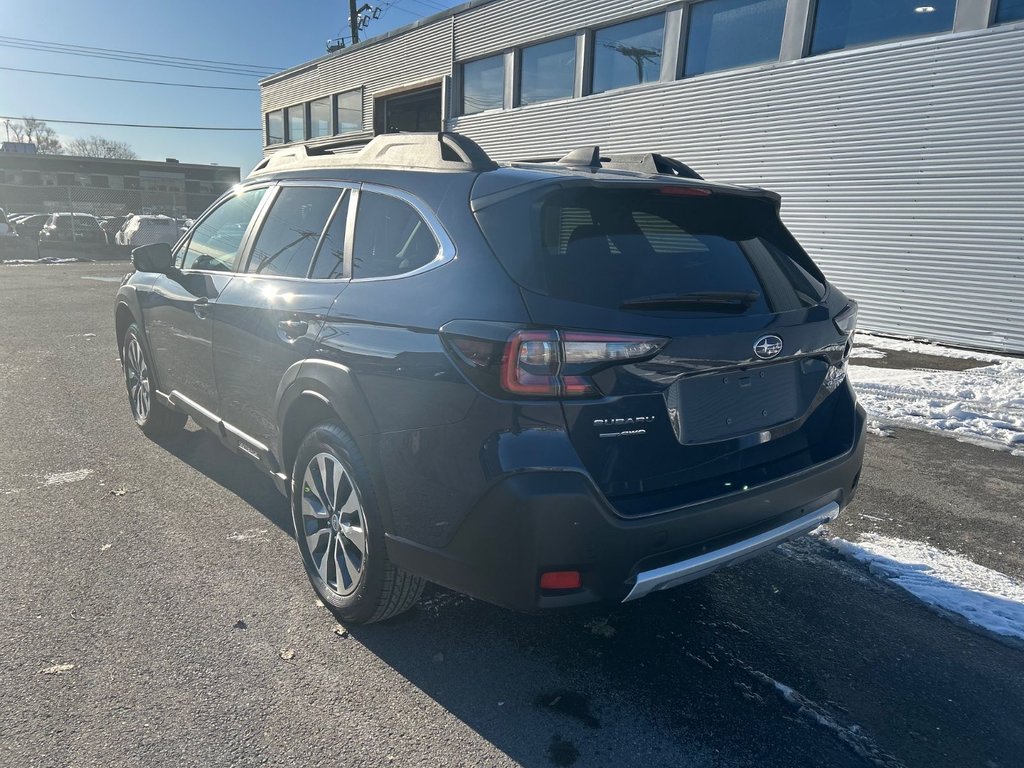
<point x="652" y="249"/>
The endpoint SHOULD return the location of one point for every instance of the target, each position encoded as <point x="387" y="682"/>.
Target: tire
<point x="340" y="533"/>
<point x="153" y="417"/>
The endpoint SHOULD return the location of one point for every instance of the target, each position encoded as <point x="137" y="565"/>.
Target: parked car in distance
<point x="28" y="226"/>
<point x="111" y="225"/>
<point x="542" y="384"/>
<point x="78" y="228"/>
<point x="146" y="230"/>
<point x="8" y="234"/>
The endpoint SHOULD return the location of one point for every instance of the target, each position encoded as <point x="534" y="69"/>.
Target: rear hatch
<point x="734" y="379"/>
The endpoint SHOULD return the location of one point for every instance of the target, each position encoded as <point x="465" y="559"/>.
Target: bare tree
<point x="28" y="129"/>
<point x="98" y="146"/>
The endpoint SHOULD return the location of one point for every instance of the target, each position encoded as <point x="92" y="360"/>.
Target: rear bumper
<point x="556" y="520"/>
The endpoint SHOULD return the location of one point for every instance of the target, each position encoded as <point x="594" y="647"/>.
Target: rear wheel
<point x="153" y="417"/>
<point x="340" y="533"/>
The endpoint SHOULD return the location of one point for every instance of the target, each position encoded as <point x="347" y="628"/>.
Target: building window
<point x="348" y="107"/>
<point x="849" y="23"/>
<point x="101" y="181"/>
<point x="547" y="71"/>
<point x="295" y="120"/>
<point x="32" y="178"/>
<point x="275" y="127"/>
<point x="628" y="54"/>
<point x="483" y="84"/>
<point x="1009" y="10"/>
<point x="725" y="34"/>
<point x="320" y="118"/>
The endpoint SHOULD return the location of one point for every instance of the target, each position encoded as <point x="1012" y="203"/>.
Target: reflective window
<point x="1009" y="10"/>
<point x="628" y="54"/>
<point x="849" y="23"/>
<point x="547" y="71"/>
<point x="330" y="260"/>
<point x="391" y="237"/>
<point x="725" y="34"/>
<point x="320" y="118"/>
<point x="295" y="117"/>
<point x="483" y="84"/>
<point x="275" y="127"/>
<point x="290" y="232"/>
<point x="349" y="109"/>
<point x="215" y="242"/>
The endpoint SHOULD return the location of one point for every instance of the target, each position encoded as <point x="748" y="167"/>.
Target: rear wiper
<point x="714" y="301"/>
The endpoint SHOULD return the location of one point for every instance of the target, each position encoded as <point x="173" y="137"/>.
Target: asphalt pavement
<point x="155" y="613"/>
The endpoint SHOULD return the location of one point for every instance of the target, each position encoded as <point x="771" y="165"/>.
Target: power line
<point x="125" y="80"/>
<point x="134" y="125"/>
<point x="133" y="59"/>
<point x="140" y="53"/>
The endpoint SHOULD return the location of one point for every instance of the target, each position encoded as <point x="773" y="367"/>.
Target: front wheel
<point x="153" y="417"/>
<point x="340" y="533"/>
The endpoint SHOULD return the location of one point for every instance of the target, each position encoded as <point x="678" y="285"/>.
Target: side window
<point x="214" y="243"/>
<point x="391" y="237"/>
<point x="330" y="260"/>
<point x="291" y="230"/>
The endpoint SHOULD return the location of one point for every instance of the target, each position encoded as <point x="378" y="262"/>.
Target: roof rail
<point x="441" y="151"/>
<point x="642" y="162"/>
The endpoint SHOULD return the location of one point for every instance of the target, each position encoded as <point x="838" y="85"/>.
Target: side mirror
<point x="156" y="257"/>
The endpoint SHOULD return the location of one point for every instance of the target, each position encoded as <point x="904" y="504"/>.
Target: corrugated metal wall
<point x="494" y="27"/>
<point x="901" y="166"/>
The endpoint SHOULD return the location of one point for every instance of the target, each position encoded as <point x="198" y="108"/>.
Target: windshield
<point x="653" y="249"/>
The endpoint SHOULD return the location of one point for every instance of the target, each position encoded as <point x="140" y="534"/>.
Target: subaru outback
<point x="542" y="384"/>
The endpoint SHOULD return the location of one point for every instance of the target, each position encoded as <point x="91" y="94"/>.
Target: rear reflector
<point x="560" y="580"/>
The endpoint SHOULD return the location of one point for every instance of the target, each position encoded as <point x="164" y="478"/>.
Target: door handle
<point x="202" y="308"/>
<point x="293" y="329"/>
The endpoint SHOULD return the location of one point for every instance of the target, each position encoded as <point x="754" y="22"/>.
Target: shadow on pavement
<point x="204" y="452"/>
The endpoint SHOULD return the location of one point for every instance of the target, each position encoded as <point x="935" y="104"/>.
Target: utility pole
<point x="353" y="20"/>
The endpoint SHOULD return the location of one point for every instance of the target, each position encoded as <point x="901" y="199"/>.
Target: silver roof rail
<point x="641" y="162"/>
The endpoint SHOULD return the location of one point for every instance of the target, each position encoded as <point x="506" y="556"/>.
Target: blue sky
<point x="260" y="32"/>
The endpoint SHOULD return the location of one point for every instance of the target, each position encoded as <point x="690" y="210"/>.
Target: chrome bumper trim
<point x="695" y="567"/>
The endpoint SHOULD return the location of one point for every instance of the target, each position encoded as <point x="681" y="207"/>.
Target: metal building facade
<point x="901" y="165"/>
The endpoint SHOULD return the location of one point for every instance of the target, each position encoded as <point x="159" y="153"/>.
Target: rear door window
<point x="391" y="237"/>
<point x="291" y="230"/>
<point x="620" y="248"/>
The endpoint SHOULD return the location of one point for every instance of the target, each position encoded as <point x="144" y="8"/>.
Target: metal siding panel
<point x="901" y="166"/>
<point x="500" y="25"/>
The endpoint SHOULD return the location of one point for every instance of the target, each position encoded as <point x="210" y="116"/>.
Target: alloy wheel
<point x="333" y="524"/>
<point x="136" y="374"/>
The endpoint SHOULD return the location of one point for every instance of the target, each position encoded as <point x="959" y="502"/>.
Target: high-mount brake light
<point x="681" y="191"/>
<point x="554" y="363"/>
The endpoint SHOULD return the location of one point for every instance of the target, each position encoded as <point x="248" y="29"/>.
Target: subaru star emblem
<point x="767" y="347"/>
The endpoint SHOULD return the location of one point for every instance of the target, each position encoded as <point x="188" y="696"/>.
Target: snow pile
<point x="985" y="402"/>
<point x="945" y="580"/>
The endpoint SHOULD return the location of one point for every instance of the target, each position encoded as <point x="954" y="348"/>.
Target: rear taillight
<point x="546" y="363"/>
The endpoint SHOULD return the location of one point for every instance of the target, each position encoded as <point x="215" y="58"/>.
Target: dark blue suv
<point x="541" y="384"/>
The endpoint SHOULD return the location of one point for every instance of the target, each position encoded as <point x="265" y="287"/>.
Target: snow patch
<point x="102" y="279"/>
<point x="43" y="260"/>
<point x="59" y="478"/>
<point x="985" y="403"/>
<point x="944" y="580"/>
<point x="875" y="428"/>
<point x="867" y="353"/>
<point x="248" y="534"/>
<point x="921" y="348"/>
<point x="852" y="736"/>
